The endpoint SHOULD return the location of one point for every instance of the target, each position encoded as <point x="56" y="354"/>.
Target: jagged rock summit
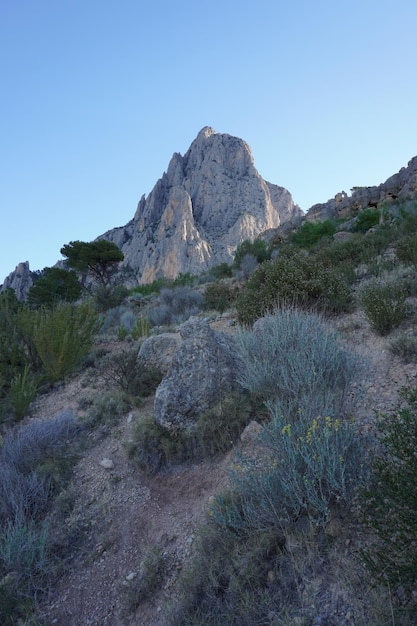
<point x="20" y="280"/>
<point x="206" y="203"/>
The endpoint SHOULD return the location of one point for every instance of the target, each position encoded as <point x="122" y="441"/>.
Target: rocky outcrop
<point x="207" y="202"/>
<point x="400" y="186"/>
<point x="20" y="280"/>
<point x="203" y="370"/>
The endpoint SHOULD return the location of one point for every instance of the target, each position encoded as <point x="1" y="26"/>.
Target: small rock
<point x="131" y="576"/>
<point x="107" y="464"/>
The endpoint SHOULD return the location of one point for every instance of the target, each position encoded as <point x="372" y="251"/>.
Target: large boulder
<point x="158" y="350"/>
<point x="203" y="370"/>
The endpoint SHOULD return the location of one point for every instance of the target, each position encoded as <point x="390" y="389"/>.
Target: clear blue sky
<point x="97" y="95"/>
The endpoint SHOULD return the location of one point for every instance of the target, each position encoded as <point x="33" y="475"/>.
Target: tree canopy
<point x="55" y="284"/>
<point x="98" y="258"/>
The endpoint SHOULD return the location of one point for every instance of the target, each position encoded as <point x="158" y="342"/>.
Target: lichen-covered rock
<point x="158" y="350"/>
<point x="203" y="370"/>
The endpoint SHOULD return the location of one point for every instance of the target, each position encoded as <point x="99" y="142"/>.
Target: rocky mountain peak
<point x="205" y="204"/>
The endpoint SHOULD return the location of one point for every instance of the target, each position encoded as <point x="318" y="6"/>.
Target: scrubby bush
<point x="153" y="447"/>
<point x="384" y="304"/>
<point x="292" y="279"/>
<point x="311" y="233"/>
<point x="108" y="297"/>
<point x="23" y="390"/>
<point x="404" y="346"/>
<point x="223" y="270"/>
<point x="35" y="463"/>
<point x="176" y="305"/>
<point x="294" y="358"/>
<point x="59" y="337"/>
<point x="129" y="374"/>
<point x="218" y="296"/>
<point x="151" y="575"/>
<point x="108" y="408"/>
<point x="141" y="328"/>
<point x="389" y="501"/>
<point x="24" y="565"/>
<point x="307" y="468"/>
<point x="258" y="249"/>
<point x="366" y="219"/>
<point x="406" y="249"/>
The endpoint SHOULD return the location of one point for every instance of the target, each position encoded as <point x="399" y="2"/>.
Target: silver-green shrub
<point x="295" y="359"/>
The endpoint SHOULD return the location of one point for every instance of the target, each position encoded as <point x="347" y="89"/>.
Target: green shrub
<point x="366" y="219"/>
<point x="218" y="296"/>
<point x="62" y="336"/>
<point x="108" y="297"/>
<point x="292" y="279"/>
<point x="238" y="583"/>
<point x="406" y="249"/>
<point x="108" y="408"/>
<point x="257" y="249"/>
<point x="220" y="427"/>
<point x="141" y="328"/>
<point x="384" y="305"/>
<point x="23" y="390"/>
<point x="294" y="358"/>
<point x="389" y="501"/>
<point x="223" y="270"/>
<point x="153" y="448"/>
<point x="311" y="233"/>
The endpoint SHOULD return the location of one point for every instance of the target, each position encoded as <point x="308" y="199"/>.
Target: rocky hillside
<point x="400" y="186"/>
<point x="208" y="201"/>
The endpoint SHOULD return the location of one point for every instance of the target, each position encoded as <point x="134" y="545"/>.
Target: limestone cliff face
<point x="20" y="280"/>
<point x="207" y="202"/>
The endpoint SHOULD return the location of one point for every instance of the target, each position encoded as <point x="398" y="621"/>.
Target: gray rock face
<point x="207" y="202"/>
<point x="158" y="351"/>
<point x="20" y="280"/>
<point x="402" y="186"/>
<point x="203" y="369"/>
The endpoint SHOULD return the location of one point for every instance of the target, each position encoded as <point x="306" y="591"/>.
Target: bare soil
<point x="121" y="512"/>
